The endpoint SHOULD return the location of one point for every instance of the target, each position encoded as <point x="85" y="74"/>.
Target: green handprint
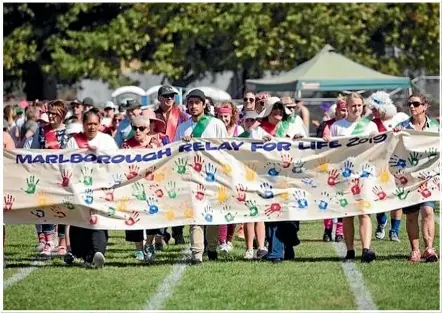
<point x="68" y="204"/>
<point x="31" y="185"/>
<point x="87" y="175"/>
<point x="401" y="193"/>
<point x="432" y="152"/>
<point x="251" y="205"/>
<point x="414" y="158"/>
<point x="111" y="211"/>
<point x="181" y="166"/>
<point x="341" y="200"/>
<point x="228" y="215"/>
<point x="139" y="191"/>
<point x="171" y="190"/>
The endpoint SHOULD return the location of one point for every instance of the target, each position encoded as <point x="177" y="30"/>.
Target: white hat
<point x="381" y="101"/>
<point x="44" y="117"/>
<point x="74" y="128"/>
<point x="268" y="107"/>
<point x="110" y="104"/>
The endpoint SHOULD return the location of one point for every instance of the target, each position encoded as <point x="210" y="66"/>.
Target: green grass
<point x="314" y="281"/>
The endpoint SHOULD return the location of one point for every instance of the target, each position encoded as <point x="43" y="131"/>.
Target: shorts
<point x="417" y="207"/>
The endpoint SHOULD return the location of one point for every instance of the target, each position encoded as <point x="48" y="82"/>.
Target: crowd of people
<point x="59" y="124"/>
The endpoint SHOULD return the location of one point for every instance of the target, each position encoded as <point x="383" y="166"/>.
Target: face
<point x="277" y="114"/>
<point x="77" y="109"/>
<point x="226" y="118"/>
<point x="416" y="106"/>
<point x="355" y="107"/>
<point x="54" y="118"/>
<point x="195" y="106"/>
<point x="167" y="100"/>
<point x="341" y="113"/>
<point x="116" y="121"/>
<point x="248" y="123"/>
<point x="259" y="105"/>
<point x="249" y="101"/>
<point x="91" y="125"/>
<point x="376" y="113"/>
<point x="134" y="112"/>
<point x="141" y="130"/>
<point x="108" y="112"/>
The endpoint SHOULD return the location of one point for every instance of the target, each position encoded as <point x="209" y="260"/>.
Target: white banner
<point x="221" y="181"/>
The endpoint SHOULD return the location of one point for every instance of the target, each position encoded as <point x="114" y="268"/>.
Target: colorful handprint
<point x="267" y="191"/>
<point x="169" y="213"/>
<point x="333" y="177"/>
<point x="424" y="191"/>
<point x="367" y="170"/>
<point x="274" y="208"/>
<point x="384" y="176"/>
<point x="122" y="204"/>
<point x="149" y="175"/>
<point x="324" y="201"/>
<point x="253" y="208"/>
<point x="227" y="212"/>
<point x="356" y="187"/>
<point x="210" y="171"/>
<point x="401" y="193"/>
<point x="108" y="194"/>
<point x="436" y="182"/>
<point x="87" y="176"/>
<point x="425" y="175"/>
<point x="379" y="193"/>
<point x="132" y="219"/>
<point x="152" y="206"/>
<point x="273" y="169"/>
<point x="323" y="164"/>
<point x="222" y="195"/>
<point x="286" y="160"/>
<point x="241" y="193"/>
<point x="171" y="190"/>
<point x="208" y="214"/>
<point x="67" y="202"/>
<point x="93" y="218"/>
<point x="139" y="192"/>
<point x="88" y="196"/>
<point x="347" y="168"/>
<point x="132" y="172"/>
<point x="200" y="192"/>
<point x="341" y="199"/>
<point x="250" y="172"/>
<point x="401" y="177"/>
<point x="8" y="202"/>
<point x="300" y="199"/>
<point x="117" y="179"/>
<point x="197" y="163"/>
<point x="157" y="190"/>
<point x="187" y="209"/>
<point x="298" y="167"/>
<point x="58" y="212"/>
<point x="310" y="182"/>
<point x="226" y="169"/>
<point x="414" y="158"/>
<point x="111" y="211"/>
<point x="65" y="178"/>
<point x="431" y="153"/>
<point x="181" y="165"/>
<point x="396" y="161"/>
<point x="31" y="185"/>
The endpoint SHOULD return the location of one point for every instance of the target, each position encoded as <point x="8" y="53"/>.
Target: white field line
<point x="22" y="274"/>
<point x="167" y="286"/>
<point x="362" y="295"/>
<point x="437" y="219"/>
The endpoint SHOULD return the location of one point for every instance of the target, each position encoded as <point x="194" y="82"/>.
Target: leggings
<point x="226" y="233"/>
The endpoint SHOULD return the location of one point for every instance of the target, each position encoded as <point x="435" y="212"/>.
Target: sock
<point x="381" y="218"/>
<point x="395" y="225"/>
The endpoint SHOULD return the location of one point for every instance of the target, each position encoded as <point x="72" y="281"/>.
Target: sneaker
<point x="149" y="253"/>
<point x="368" y="255"/>
<point x="139" y="255"/>
<point x="327" y="237"/>
<point x="69" y="258"/>
<point x="394" y="236"/>
<point x="339" y="238"/>
<point x="86" y="264"/>
<point x="380" y="231"/>
<point x="179" y="240"/>
<point x="159" y="243"/>
<point x="213" y="255"/>
<point x="98" y="260"/>
<point x="223" y="248"/>
<point x="351" y="255"/>
<point x="248" y="255"/>
<point x="430" y="255"/>
<point x="415" y="256"/>
<point x="229" y="246"/>
<point x="196" y="258"/>
<point x="47" y="250"/>
<point x="40" y="246"/>
<point x="262" y="252"/>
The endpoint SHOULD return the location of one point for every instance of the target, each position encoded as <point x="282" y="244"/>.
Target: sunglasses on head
<point x="141" y="128"/>
<point x="249" y="99"/>
<point x="415" y="104"/>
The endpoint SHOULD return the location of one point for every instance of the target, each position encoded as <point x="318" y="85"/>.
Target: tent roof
<point x="329" y="70"/>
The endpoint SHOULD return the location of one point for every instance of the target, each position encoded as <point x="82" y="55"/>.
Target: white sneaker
<point x="229" y="246"/>
<point x="248" y="255"/>
<point x="223" y="248"/>
<point x="40" y="246"/>
<point x="48" y="249"/>
<point x="149" y="253"/>
<point x="98" y="260"/>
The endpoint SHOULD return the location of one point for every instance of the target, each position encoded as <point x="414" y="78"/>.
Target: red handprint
<point x="108" y="193"/>
<point x="200" y="192"/>
<point x="333" y="177"/>
<point x="241" y="193"/>
<point x="356" y="188"/>
<point x="157" y="190"/>
<point x="436" y="181"/>
<point x="379" y="192"/>
<point x="93" y="218"/>
<point x="197" y="163"/>
<point x="273" y="208"/>
<point x="133" y="172"/>
<point x="150" y="173"/>
<point x="423" y="190"/>
<point x="400" y="175"/>
<point x="286" y="161"/>
<point x="133" y="219"/>
<point x="9" y="202"/>
<point x="65" y="178"/>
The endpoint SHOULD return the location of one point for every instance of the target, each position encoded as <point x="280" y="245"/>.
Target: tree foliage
<point x="184" y="41"/>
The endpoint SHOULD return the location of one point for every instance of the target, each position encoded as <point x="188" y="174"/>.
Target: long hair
<point x="235" y="113"/>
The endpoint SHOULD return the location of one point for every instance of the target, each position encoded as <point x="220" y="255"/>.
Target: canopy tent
<point x="330" y="71"/>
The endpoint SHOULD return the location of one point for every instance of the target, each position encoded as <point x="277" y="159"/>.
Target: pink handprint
<point x="286" y="160"/>
<point x="132" y="172"/>
<point x="108" y="194"/>
<point x="436" y="181"/>
<point x="150" y="173"/>
<point x="356" y="188"/>
<point x="400" y="175"/>
<point x="133" y="219"/>
<point x="333" y="177"/>
<point x="241" y="193"/>
<point x="200" y="192"/>
<point x="197" y="163"/>
<point x="379" y="192"/>
<point x="9" y="202"/>
<point x="93" y="218"/>
<point x="273" y="208"/>
<point x="157" y="190"/>
<point x="423" y="190"/>
<point x="65" y="178"/>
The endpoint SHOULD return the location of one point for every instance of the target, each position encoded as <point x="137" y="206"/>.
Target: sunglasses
<point x="415" y="104"/>
<point x="141" y="128"/>
<point x="169" y="96"/>
<point x="249" y="99"/>
<point x="117" y="119"/>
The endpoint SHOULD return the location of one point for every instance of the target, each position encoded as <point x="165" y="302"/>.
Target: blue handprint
<point x="272" y="171"/>
<point x="152" y="205"/>
<point x="301" y="200"/>
<point x="117" y="179"/>
<point x="210" y="172"/>
<point x="208" y="214"/>
<point x="395" y="161"/>
<point x="347" y="168"/>
<point x="325" y="199"/>
<point x="88" y="196"/>
<point x="309" y="181"/>
<point x="267" y="191"/>
<point x="367" y="170"/>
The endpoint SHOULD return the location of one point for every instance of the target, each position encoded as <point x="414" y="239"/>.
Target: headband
<point x="224" y="110"/>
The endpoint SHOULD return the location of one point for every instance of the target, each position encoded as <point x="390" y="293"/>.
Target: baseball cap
<point x="109" y="104"/>
<point x="196" y="93"/>
<point x="167" y="90"/>
<point x="131" y="104"/>
<point x="88" y="101"/>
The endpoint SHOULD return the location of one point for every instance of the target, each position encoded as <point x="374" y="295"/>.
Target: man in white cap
<point x="124" y="132"/>
<point x="109" y="111"/>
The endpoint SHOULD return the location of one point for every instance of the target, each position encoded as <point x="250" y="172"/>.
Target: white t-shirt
<point x="395" y="120"/>
<point x="344" y="128"/>
<point x="106" y="121"/>
<point x="100" y="142"/>
<point x="215" y="129"/>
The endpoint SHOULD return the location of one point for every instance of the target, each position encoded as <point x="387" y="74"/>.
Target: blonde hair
<point x="353" y="95"/>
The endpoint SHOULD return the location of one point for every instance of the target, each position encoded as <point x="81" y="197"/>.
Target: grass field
<point x="316" y="280"/>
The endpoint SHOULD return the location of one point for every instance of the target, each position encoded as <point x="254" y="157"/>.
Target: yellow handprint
<point x="227" y="169"/>
<point x="284" y="184"/>
<point x="222" y="195"/>
<point x="188" y="210"/>
<point x="122" y="204"/>
<point x="44" y="200"/>
<point x="160" y="175"/>
<point x="170" y="214"/>
<point x="250" y="172"/>
<point x="384" y="176"/>
<point x="363" y="205"/>
<point x="323" y="164"/>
